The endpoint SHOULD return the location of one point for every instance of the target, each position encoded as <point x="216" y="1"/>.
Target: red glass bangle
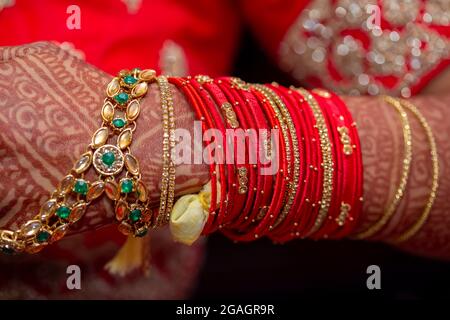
<point x="247" y="123"/>
<point x="351" y="202"/>
<point x="236" y="201"/>
<point x="307" y="204"/>
<point x="346" y="206"/>
<point x="252" y="111"/>
<point x="286" y="226"/>
<point x="276" y="203"/>
<point x="331" y="115"/>
<point x="209" y="115"/>
<point x="219" y="125"/>
<point x="258" y="228"/>
<point x="199" y="110"/>
<point x="313" y="201"/>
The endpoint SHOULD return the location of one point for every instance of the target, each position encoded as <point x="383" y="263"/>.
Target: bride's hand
<point x="50" y="106"/>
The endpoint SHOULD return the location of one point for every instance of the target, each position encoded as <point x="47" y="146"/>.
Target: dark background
<point x="303" y="268"/>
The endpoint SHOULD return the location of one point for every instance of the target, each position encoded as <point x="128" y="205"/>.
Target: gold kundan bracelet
<point x="118" y="174"/>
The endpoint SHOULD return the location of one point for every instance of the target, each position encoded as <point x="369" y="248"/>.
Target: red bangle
<point x="323" y="165"/>
<point x="274" y="208"/>
<point x="247" y="123"/>
<point x="309" y="202"/>
<point x="332" y="116"/>
<point x="253" y="113"/>
<point x="351" y="202"/>
<point x="219" y="125"/>
<point x="236" y="200"/>
<point x="284" y="229"/>
<point x="346" y="203"/>
<point x="199" y="110"/>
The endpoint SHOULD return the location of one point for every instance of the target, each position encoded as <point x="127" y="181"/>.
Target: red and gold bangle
<point x="236" y="199"/>
<point x="220" y="158"/>
<point x="246" y="172"/>
<point x="350" y="205"/>
<point x="274" y="208"/>
<point x="345" y="168"/>
<point x="199" y="110"/>
<point x="294" y="175"/>
<point x="314" y="170"/>
<point x="333" y="210"/>
<point x="286" y="230"/>
<point x="253" y="230"/>
<point x="291" y="113"/>
<point x="326" y="163"/>
<point x="263" y="184"/>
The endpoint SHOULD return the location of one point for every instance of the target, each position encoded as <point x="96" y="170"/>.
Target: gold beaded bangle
<point x="292" y="187"/>
<point x="168" y="171"/>
<point x="411" y="231"/>
<point x="373" y="229"/>
<point x="270" y="96"/>
<point x="74" y="194"/>
<point x="327" y="160"/>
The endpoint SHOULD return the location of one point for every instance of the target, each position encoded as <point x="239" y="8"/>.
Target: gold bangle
<point x="411" y="231"/>
<point x="74" y="194"/>
<point x="270" y="96"/>
<point x="168" y="171"/>
<point x="327" y="159"/>
<point x="386" y="216"/>
<point x="292" y="185"/>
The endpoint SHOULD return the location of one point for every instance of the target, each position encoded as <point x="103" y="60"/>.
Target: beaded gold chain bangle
<point x="327" y="159"/>
<point x="74" y="194"/>
<point x="411" y="231"/>
<point x="292" y="190"/>
<point x="406" y="165"/>
<point x="270" y="96"/>
<point x="168" y="168"/>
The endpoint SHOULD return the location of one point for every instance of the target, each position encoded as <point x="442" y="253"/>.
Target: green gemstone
<point x="63" y="212"/>
<point x="142" y="233"/>
<point x="121" y="98"/>
<point x="119" y="123"/>
<point x="129" y="80"/>
<point x="135" y="215"/>
<point x="108" y="158"/>
<point x="126" y="185"/>
<point x="43" y="236"/>
<point x="80" y="187"/>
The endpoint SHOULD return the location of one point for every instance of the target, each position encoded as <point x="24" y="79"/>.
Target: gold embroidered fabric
<point x="340" y="45"/>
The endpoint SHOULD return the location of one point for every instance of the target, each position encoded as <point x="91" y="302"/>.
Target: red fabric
<point x="270" y="19"/>
<point x="113" y="39"/>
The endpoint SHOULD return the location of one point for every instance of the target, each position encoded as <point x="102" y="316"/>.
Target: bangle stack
<point x="287" y="165"/>
<point x="315" y="187"/>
